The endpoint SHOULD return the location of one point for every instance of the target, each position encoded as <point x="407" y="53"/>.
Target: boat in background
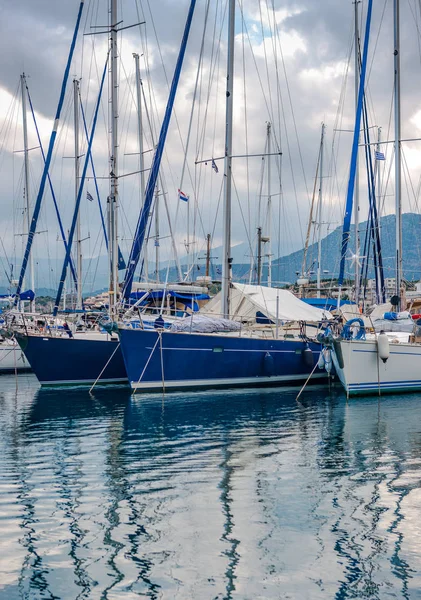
<point x="12" y="359"/>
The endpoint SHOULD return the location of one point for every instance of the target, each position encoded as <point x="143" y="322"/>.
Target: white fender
<point x="328" y="360"/>
<point x="383" y="347"/>
<point x="321" y="362"/>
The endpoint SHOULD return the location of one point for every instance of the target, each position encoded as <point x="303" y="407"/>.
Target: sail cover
<point x="246" y="301"/>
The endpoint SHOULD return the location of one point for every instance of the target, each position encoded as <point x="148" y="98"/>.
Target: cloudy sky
<point x="293" y="68"/>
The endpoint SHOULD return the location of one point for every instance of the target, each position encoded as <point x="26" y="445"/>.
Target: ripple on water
<point x="234" y="494"/>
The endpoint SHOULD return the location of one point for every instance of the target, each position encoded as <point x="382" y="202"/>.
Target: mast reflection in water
<point x="240" y="494"/>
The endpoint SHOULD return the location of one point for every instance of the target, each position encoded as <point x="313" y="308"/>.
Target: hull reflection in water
<point x="208" y="495"/>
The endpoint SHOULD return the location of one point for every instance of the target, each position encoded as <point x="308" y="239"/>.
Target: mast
<point x="259" y="256"/>
<point x="380" y="275"/>
<point x="48" y="157"/>
<point x="379" y="137"/>
<point x="156" y="162"/>
<point x="226" y="259"/>
<point x="208" y="256"/>
<point x="351" y="181"/>
<point x="269" y="219"/>
<point x="398" y="185"/>
<point x="79" y="303"/>
<point x="319" y="217"/>
<point x="113" y="198"/>
<point x="140" y="141"/>
<point x="357" y="169"/>
<point x="156" y="209"/>
<point x="26" y="171"/>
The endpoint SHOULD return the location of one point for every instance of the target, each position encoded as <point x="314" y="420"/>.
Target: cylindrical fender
<point x="383" y="348"/>
<point x="321" y="362"/>
<point x="327" y="357"/>
<point x="308" y="357"/>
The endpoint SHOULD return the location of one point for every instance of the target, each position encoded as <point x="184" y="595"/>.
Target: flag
<point x="379" y="155"/>
<point x="218" y="271"/>
<point x="182" y="196"/>
<point x="156" y="244"/>
<point x="89" y="196"/>
<point x="214" y="166"/>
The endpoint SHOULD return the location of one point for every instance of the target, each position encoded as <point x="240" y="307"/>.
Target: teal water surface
<point x="210" y="495"/>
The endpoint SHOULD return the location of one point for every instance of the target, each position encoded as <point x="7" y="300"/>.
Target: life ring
<point x="348" y="333"/>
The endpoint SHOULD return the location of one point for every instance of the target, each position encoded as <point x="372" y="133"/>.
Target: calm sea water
<point x="240" y="494"/>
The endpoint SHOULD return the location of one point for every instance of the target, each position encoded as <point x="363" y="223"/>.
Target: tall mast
<point x="208" y="256"/>
<point x="379" y="138"/>
<point x="398" y="185"/>
<point x="269" y="219"/>
<point x="227" y="260"/>
<point x="77" y="180"/>
<point x="259" y="256"/>
<point x="113" y="198"/>
<point x="140" y="142"/>
<point x="377" y="195"/>
<point x="357" y="169"/>
<point x="156" y="210"/>
<point x="319" y="217"/>
<point x="26" y="170"/>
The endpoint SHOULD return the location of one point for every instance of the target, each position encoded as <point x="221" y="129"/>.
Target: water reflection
<point x="238" y="494"/>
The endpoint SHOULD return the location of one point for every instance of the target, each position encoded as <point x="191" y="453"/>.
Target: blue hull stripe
<point x="375" y="352"/>
<point x="387" y="387"/>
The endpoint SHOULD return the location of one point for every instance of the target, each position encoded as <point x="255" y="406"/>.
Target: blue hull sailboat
<point x="264" y="342"/>
<point x="249" y="345"/>
<point x="83" y="359"/>
<point x="165" y="360"/>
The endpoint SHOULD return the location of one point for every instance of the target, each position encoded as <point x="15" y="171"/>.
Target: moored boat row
<point x="245" y="335"/>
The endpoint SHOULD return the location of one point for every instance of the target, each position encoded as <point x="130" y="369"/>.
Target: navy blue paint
<point x="57" y="360"/>
<point x="37" y="208"/>
<point x="60" y="223"/>
<point x="153" y="174"/>
<point x="77" y="204"/>
<point x="191" y="357"/>
<point x="354" y="153"/>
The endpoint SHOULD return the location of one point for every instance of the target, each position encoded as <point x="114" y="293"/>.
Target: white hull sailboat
<point x="370" y="367"/>
<point x="386" y="361"/>
<point x="12" y="358"/>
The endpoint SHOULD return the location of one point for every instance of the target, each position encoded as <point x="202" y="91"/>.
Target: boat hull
<point x="12" y="358"/>
<point x="58" y="361"/>
<point x="183" y="361"/>
<point x="363" y="372"/>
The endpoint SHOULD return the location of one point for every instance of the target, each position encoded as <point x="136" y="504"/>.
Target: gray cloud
<point x="315" y="39"/>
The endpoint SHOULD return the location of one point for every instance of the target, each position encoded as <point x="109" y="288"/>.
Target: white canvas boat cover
<point x="205" y="324"/>
<point x="248" y="300"/>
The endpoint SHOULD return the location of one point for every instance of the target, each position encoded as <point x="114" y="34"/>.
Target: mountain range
<point x="284" y="269"/>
